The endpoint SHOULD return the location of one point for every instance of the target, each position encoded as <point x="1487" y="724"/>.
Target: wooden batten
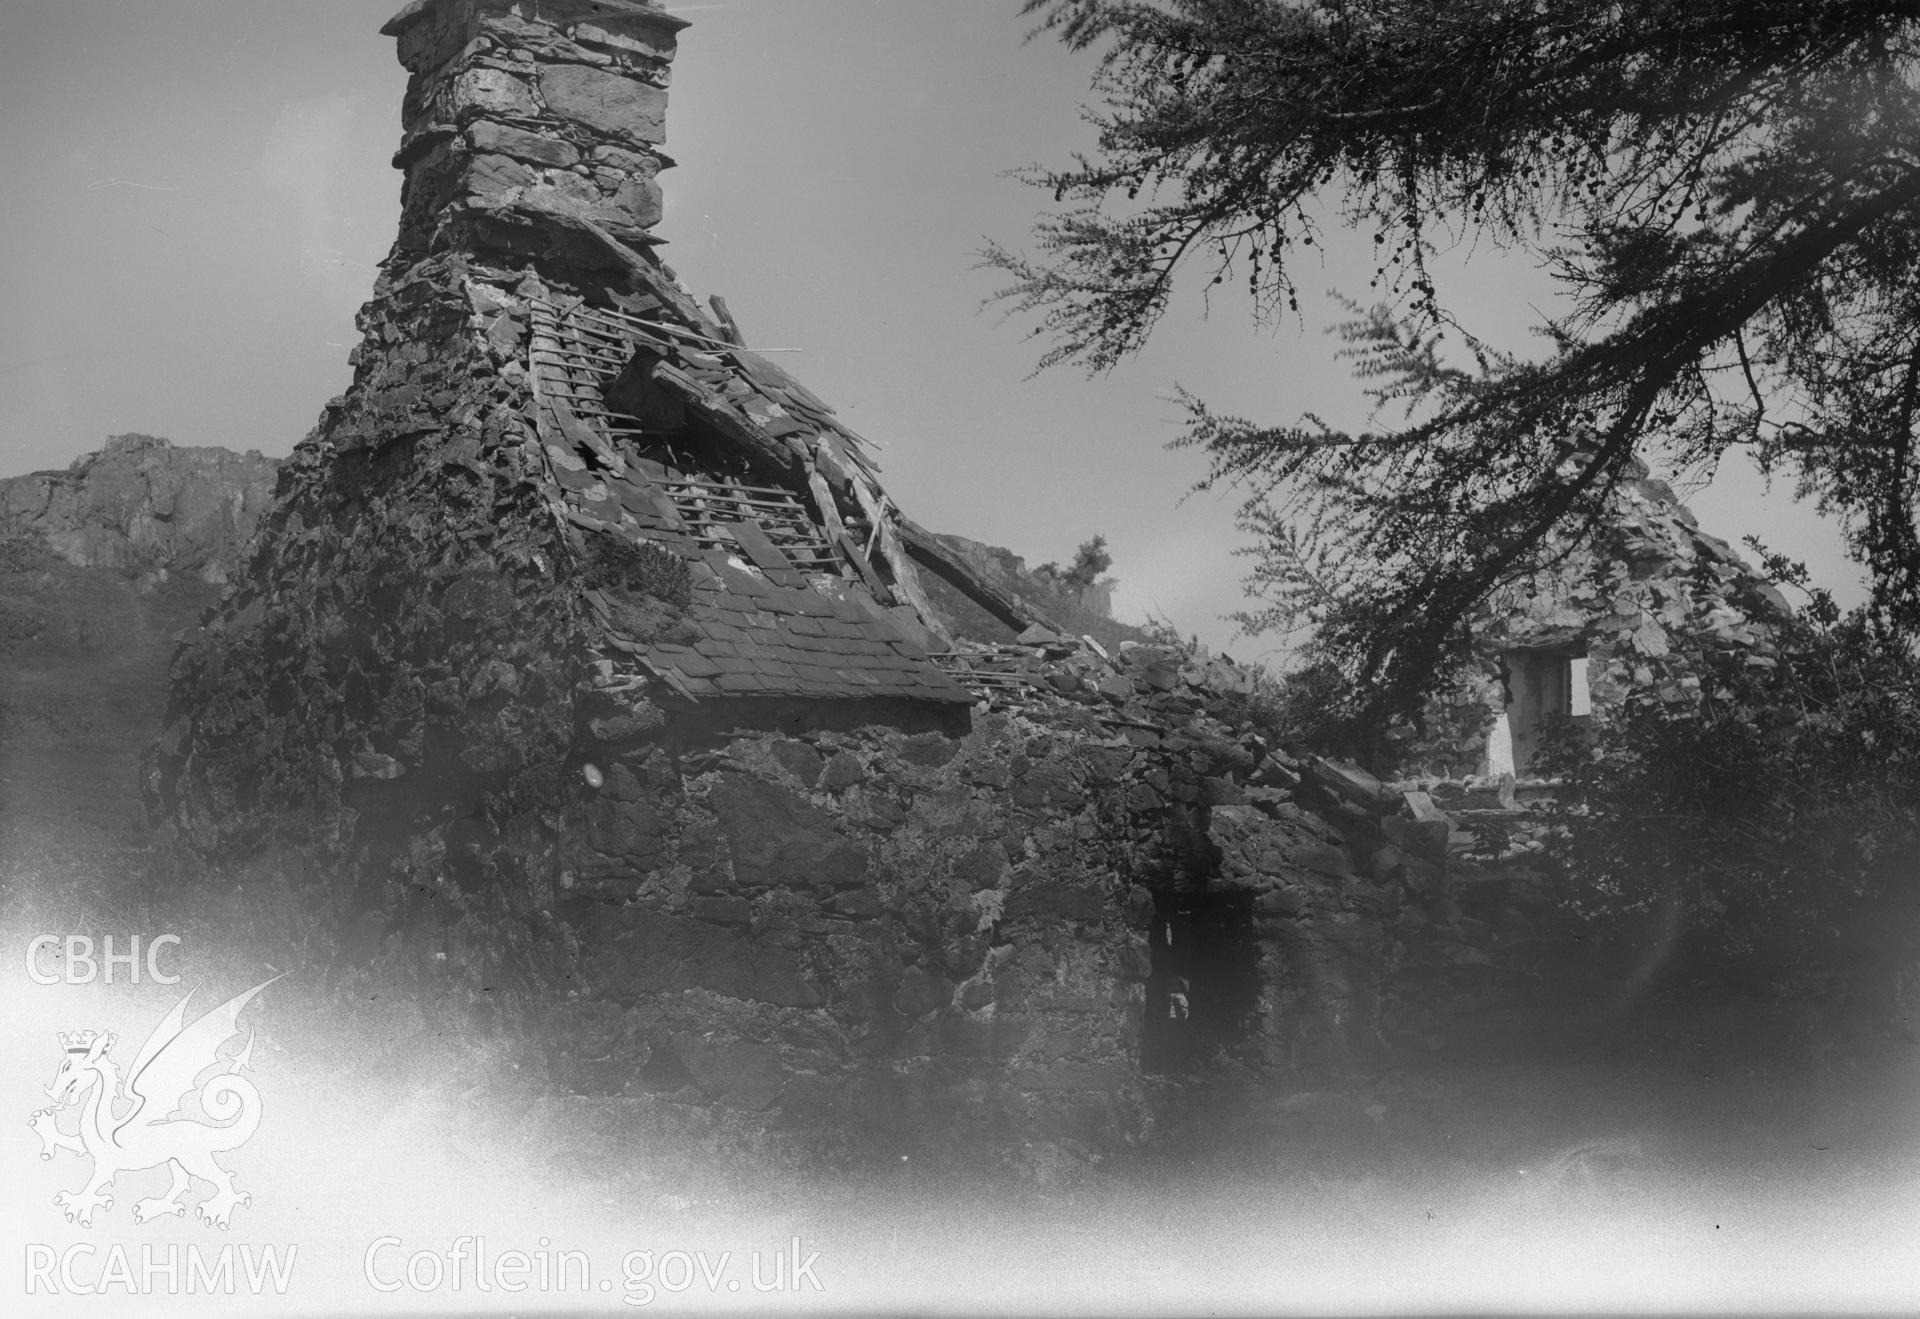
<point x="865" y="569"/>
<point x="824" y="502"/>
<point x="950" y="567"/>
<point x="727" y="323"/>
<point x="906" y="579"/>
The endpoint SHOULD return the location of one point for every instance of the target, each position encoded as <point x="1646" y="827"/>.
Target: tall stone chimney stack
<point x="521" y="107"/>
<point x="410" y="635"/>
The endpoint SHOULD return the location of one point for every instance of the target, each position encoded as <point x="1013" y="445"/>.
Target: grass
<point x="83" y="687"/>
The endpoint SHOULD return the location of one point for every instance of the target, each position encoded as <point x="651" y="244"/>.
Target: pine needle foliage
<point x="1727" y="191"/>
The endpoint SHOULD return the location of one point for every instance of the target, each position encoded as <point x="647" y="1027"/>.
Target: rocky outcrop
<point x="141" y="506"/>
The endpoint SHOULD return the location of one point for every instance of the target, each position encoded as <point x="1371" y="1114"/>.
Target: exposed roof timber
<point x="1002" y="604"/>
<point x="881" y="515"/>
<point x="725" y="317"/>
<point x="709" y="408"/>
<point x="832" y="461"/>
<point x="823" y="502"/>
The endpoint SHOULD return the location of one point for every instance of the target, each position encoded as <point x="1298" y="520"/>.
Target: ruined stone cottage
<point x="1596" y="631"/>
<point x="583" y="674"/>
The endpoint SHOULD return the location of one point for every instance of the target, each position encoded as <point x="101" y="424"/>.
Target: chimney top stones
<point x="622" y="17"/>
<point x="546" y="106"/>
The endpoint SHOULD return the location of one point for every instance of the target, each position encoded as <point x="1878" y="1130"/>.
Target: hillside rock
<point x="143" y="507"/>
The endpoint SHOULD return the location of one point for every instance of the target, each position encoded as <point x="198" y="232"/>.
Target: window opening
<point x="1541" y="685"/>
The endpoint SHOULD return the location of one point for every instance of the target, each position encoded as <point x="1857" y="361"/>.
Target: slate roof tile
<point x="762" y="629"/>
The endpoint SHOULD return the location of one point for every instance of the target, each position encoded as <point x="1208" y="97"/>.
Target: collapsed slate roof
<point x="664" y="429"/>
<point x="536" y="124"/>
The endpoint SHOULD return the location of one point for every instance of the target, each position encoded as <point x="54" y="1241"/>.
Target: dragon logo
<point x="143" y="1126"/>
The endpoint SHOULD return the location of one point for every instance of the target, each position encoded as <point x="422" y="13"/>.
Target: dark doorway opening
<point x="1204" y="987"/>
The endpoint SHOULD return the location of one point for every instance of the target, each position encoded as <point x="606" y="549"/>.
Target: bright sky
<point x="197" y="193"/>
